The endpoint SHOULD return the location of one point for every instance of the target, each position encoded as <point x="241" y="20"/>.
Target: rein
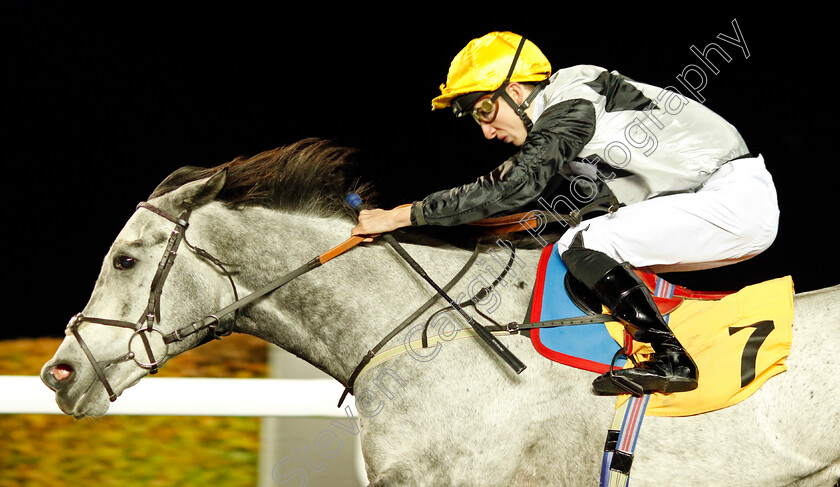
<point x="376" y="348"/>
<point x="151" y="315"/>
<point x="145" y="325"/>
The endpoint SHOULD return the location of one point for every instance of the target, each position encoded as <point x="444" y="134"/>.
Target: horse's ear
<point x="200" y="192"/>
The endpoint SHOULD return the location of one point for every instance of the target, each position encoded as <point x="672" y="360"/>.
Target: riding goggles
<point x="482" y="106"/>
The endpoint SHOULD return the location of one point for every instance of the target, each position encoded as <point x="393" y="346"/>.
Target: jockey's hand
<point x="376" y="221"/>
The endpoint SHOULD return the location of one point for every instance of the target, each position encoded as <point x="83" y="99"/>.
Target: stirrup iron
<point x="621" y="382"/>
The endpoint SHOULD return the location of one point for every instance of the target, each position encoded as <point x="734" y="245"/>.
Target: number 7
<point x="754" y="342"/>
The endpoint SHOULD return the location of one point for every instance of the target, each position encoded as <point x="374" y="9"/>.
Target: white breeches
<point x="732" y="217"/>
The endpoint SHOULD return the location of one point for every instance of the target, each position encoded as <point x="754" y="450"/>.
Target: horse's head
<point x="133" y="322"/>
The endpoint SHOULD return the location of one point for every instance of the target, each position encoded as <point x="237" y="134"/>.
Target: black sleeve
<point x="556" y="138"/>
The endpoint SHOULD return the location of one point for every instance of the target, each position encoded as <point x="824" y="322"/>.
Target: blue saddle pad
<point x="589" y="347"/>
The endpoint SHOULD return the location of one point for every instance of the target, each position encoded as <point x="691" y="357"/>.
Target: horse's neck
<point x="333" y="315"/>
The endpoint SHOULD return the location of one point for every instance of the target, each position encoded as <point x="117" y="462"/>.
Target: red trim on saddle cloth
<point x="570" y="360"/>
<point x="539" y="285"/>
<point x="649" y="279"/>
<point x="536" y="310"/>
<point x="667" y="305"/>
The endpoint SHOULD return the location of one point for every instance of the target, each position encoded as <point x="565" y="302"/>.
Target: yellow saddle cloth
<point x="738" y="343"/>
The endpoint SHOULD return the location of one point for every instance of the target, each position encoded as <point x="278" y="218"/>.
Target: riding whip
<point x="495" y="344"/>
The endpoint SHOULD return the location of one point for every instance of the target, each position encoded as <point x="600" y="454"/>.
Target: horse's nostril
<point x="58" y="376"/>
<point x="62" y="372"/>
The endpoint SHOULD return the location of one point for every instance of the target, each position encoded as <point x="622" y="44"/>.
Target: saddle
<point x="738" y="339"/>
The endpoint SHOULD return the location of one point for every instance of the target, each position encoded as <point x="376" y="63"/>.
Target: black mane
<point x="307" y="176"/>
<point x="310" y="176"/>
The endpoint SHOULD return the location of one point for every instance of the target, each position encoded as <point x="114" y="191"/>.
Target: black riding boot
<point x="623" y="292"/>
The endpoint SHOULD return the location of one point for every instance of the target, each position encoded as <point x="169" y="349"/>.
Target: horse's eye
<point x="124" y="262"/>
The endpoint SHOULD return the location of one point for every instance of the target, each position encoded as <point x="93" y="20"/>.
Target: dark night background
<point x="101" y="104"/>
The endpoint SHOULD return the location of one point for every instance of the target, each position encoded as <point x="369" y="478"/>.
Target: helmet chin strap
<point x="520" y="108"/>
<point x="502" y="92"/>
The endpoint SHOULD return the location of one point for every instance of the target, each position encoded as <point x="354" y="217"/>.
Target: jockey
<point x="691" y="195"/>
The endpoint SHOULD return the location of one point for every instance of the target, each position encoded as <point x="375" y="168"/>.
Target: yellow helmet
<point x="485" y="65"/>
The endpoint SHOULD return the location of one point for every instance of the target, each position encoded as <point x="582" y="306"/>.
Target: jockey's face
<point x="507" y="126"/>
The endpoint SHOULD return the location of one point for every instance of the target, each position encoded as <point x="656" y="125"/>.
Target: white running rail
<point x="177" y="396"/>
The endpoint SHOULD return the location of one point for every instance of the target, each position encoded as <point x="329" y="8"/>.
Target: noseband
<point x="145" y="326"/>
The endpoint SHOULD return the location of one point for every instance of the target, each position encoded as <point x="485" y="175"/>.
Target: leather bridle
<point x="145" y="326"/>
<point x="151" y="316"/>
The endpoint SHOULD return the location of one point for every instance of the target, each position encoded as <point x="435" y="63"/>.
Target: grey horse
<point x="452" y="414"/>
